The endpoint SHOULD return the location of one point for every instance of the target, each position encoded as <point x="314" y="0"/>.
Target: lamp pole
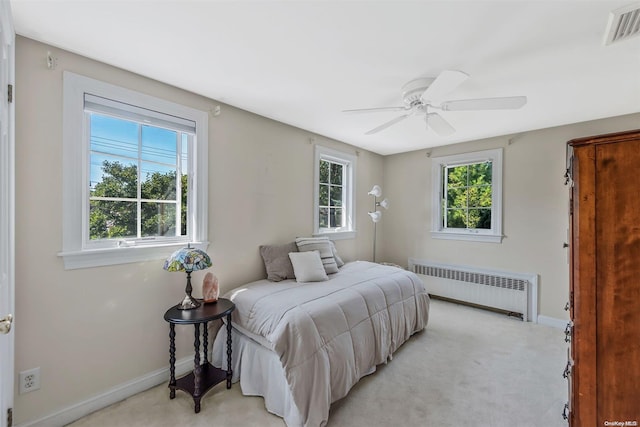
<point x="375" y="224"/>
<point x="376" y="214"/>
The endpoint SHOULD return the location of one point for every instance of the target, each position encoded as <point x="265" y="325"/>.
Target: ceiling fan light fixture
<point x="413" y="90"/>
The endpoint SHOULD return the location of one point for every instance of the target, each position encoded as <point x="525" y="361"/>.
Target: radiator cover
<point x="513" y="292"/>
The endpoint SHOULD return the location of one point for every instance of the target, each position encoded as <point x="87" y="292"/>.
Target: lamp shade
<point x="384" y="203"/>
<point x="187" y="259"/>
<point x="376" y="191"/>
<point x="375" y="216"/>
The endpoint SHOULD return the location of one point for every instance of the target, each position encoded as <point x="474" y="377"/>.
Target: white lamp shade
<point x="376" y="191"/>
<point x="385" y="203"/>
<point x="375" y="216"/>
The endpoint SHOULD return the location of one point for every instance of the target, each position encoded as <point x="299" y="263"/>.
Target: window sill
<point x="123" y="255"/>
<point x="336" y="235"/>
<point x="471" y="237"/>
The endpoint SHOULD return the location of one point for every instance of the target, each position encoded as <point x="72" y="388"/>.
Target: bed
<point x="302" y="346"/>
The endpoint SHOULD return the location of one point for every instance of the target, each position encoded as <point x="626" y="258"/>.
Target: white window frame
<point x="77" y="251"/>
<point x="438" y="230"/>
<point x="348" y="231"/>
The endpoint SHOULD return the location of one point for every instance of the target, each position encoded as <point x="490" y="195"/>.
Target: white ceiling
<point x="302" y="62"/>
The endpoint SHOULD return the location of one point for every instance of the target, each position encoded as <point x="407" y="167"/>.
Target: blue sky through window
<point x="114" y="139"/>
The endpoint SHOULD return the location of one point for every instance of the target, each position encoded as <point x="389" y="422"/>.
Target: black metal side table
<point x="204" y="375"/>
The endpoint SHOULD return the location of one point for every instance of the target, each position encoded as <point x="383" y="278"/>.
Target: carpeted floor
<point x="470" y="367"/>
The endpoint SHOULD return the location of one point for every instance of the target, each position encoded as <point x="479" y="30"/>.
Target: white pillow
<point x="307" y="266"/>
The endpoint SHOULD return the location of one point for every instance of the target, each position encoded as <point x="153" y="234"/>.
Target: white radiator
<point x="512" y="292"/>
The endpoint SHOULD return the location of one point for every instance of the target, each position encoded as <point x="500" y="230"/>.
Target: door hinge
<point x="568" y="174"/>
<point x="10" y="417"/>
<point x="571" y="301"/>
<point x="10" y="94"/>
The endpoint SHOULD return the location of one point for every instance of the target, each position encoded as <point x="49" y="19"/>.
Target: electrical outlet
<point x="29" y="380"/>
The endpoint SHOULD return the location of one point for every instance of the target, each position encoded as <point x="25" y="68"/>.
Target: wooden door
<point x="582" y="288"/>
<point x="618" y="281"/>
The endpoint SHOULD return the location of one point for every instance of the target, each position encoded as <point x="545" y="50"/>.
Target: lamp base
<point x="188" y="303"/>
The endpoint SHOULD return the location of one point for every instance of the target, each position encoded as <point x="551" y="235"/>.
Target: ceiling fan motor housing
<point x="413" y="90"/>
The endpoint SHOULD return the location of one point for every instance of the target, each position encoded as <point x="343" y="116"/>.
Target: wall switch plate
<point x="29" y="380"/>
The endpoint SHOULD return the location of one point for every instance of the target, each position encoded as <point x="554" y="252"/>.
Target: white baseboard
<point x="552" y="321"/>
<point x="116" y="394"/>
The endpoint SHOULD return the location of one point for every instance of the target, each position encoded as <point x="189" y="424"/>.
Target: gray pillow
<point x="339" y="261"/>
<point x="277" y="262"/>
<point x="323" y="246"/>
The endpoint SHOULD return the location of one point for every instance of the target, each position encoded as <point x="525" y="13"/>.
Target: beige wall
<point x="92" y="329"/>
<point x="535" y="208"/>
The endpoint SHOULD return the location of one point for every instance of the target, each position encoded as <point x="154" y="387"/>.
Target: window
<point x="334" y="189"/>
<point x="467" y="196"/>
<point x="135" y="174"/>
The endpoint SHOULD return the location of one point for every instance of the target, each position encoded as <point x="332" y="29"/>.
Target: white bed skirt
<point x="260" y="373"/>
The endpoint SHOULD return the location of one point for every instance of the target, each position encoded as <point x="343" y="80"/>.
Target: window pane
<point x="159" y="145"/>
<point x="324" y="171"/>
<point x="185" y="140"/>
<point x="480" y="173"/>
<point x="456" y="218"/>
<point x="114" y="136"/>
<point x="113" y="177"/>
<point x="336" y="195"/>
<point x="480" y="218"/>
<point x="468" y="203"/>
<point x="185" y="153"/>
<point x="109" y="219"/>
<point x="457" y="197"/>
<point x="456" y="176"/>
<point x="158" y="182"/>
<point x="158" y="219"/>
<point x="183" y="208"/>
<point x="324" y="195"/>
<point x="336" y="174"/>
<point x="480" y="197"/>
<point x="324" y="218"/>
<point x="335" y="217"/>
<point x="334" y="191"/>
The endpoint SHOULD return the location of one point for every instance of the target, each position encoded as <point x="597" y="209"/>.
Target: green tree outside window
<point x="110" y="219"/>
<point x="467" y="196"/>
<point x="331" y="201"/>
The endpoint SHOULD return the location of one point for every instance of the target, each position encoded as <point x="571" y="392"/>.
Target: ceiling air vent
<point x="623" y="23"/>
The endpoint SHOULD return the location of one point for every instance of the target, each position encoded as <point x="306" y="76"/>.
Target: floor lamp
<point x="376" y="215"/>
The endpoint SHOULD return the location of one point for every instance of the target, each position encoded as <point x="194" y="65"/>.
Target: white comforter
<point x="330" y="334"/>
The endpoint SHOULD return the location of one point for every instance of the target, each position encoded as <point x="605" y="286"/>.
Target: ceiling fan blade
<point x="387" y="124"/>
<point x="375" y="110"/>
<point x="506" y="103"/>
<point x="447" y="81"/>
<point x="439" y="125"/>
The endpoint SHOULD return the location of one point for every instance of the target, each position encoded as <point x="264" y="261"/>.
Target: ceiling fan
<point x="421" y="96"/>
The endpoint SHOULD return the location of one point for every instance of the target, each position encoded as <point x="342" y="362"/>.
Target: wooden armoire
<point x="603" y="369"/>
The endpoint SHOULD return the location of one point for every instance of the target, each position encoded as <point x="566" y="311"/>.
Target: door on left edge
<point x="7" y="203"/>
